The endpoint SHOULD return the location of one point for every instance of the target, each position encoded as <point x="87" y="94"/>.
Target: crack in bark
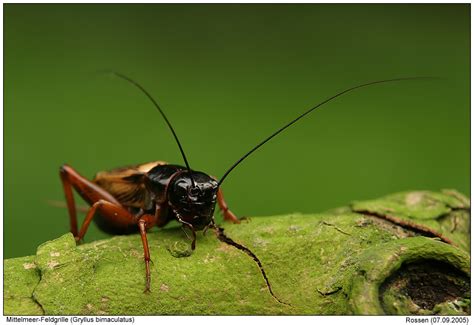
<point x="223" y="238"/>
<point x="458" y="196"/>
<point x="444" y="215"/>
<point x="336" y="227"/>
<point x="426" y="231"/>
<point x="39" y="304"/>
<point x="36" y="301"/>
<point x="324" y="294"/>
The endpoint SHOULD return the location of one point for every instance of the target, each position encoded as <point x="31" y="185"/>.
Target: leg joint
<point x="64" y="169"/>
<point x="100" y="203"/>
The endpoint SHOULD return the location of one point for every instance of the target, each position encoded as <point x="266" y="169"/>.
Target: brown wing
<point x="126" y="183"/>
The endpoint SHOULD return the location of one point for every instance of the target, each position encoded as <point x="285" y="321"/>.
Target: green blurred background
<point x="228" y="76"/>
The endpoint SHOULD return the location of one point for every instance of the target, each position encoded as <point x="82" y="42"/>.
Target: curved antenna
<point x="136" y="84"/>
<point x="307" y="112"/>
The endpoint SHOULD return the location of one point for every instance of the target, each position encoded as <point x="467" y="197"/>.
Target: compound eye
<point x="180" y="189"/>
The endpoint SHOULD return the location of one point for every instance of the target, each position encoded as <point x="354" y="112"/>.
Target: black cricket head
<point x="192" y="196"/>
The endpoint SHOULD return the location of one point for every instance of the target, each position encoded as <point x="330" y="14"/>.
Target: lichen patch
<point x="136" y="253"/>
<point x="52" y="264"/>
<point x="363" y="222"/>
<point x="179" y="249"/>
<point x="268" y="230"/>
<point x="294" y="229"/>
<point x="260" y="242"/>
<point x="414" y="198"/>
<point x="28" y="266"/>
<point x="164" y="287"/>
<point x="209" y="259"/>
<point x="225" y="248"/>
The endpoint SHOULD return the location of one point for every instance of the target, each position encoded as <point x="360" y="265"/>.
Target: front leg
<point x="190" y="226"/>
<point x="122" y="216"/>
<point x="228" y="215"/>
<point x="144" y="223"/>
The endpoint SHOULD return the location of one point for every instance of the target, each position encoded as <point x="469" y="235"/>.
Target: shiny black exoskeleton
<point x="190" y="197"/>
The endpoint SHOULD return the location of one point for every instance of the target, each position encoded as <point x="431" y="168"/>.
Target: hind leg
<point x="89" y="191"/>
<point x="108" y="207"/>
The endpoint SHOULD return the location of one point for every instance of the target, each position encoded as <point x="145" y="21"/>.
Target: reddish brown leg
<point x="228" y="215"/>
<point x="118" y="215"/>
<point x="89" y="191"/>
<point x="190" y="226"/>
<point x="108" y="207"/>
<point x="71" y="206"/>
<point x="144" y="224"/>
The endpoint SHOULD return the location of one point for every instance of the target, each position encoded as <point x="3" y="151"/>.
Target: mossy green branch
<point x="339" y="262"/>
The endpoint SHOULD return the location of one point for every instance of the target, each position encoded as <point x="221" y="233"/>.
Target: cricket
<point x="135" y="199"/>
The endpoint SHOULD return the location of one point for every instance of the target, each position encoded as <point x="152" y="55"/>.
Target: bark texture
<point x="407" y="253"/>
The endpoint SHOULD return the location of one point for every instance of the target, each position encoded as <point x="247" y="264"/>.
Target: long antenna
<point x="136" y="84"/>
<point x="307" y="112"/>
